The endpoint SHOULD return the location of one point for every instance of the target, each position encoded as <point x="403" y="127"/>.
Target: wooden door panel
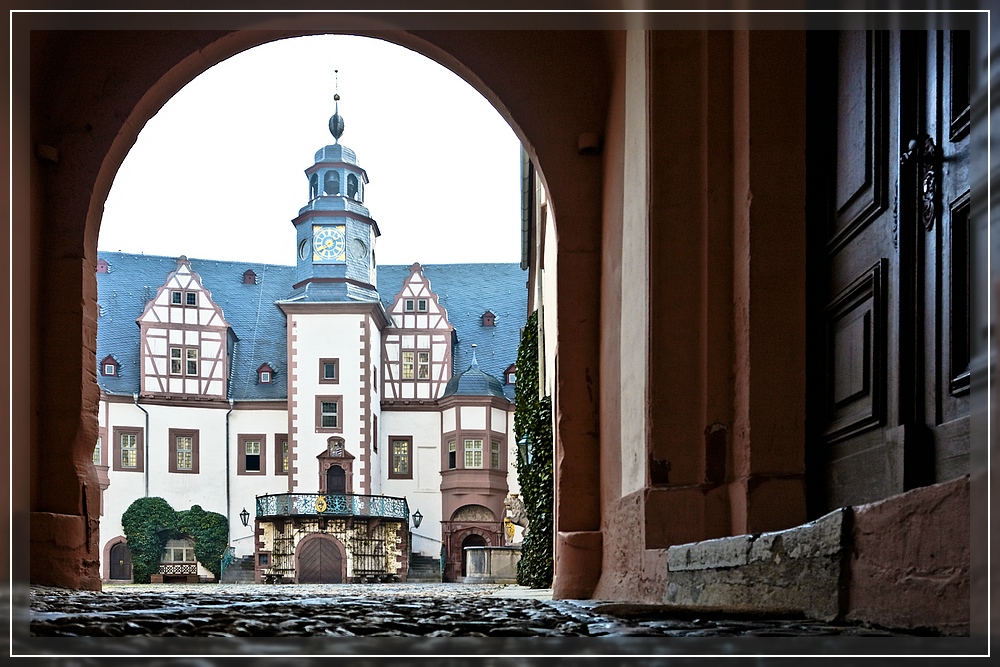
<point x="890" y="296"/>
<point x="121" y="562"/>
<point x="319" y="562"/>
<point x="861" y="188"/>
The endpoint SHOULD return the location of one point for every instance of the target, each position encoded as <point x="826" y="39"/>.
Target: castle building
<point x="352" y="415"/>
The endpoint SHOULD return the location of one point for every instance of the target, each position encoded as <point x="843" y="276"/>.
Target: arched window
<point x="352" y="185"/>
<point x="331" y="183"/>
<point x="314" y="186"/>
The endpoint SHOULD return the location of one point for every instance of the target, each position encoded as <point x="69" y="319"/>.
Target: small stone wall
<point x="491" y="565"/>
<point x="902" y="563"/>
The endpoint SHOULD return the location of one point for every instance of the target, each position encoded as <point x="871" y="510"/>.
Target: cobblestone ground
<point x="347" y="611"/>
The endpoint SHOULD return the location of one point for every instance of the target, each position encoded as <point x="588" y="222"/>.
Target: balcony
<point x="332" y="505"/>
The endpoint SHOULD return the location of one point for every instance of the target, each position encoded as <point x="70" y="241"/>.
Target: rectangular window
<point x="451" y="455"/>
<point x="401" y="448"/>
<point x="127" y="452"/>
<point x="109" y="369"/>
<point x="328" y="414"/>
<point x="251" y="448"/>
<point x="473" y="453"/>
<point x="265" y="377"/>
<point x="97" y="452"/>
<point x="192" y="360"/>
<point x="407" y="365"/>
<point x="422" y="305"/>
<point x="176" y="357"/>
<point x="408" y="305"/>
<point x="192" y="298"/>
<point x="329" y="371"/>
<point x="175" y="298"/>
<point x="281" y="454"/>
<point x="423" y="365"/>
<point x="262" y="559"/>
<point x="495" y="455"/>
<point x="183" y="451"/>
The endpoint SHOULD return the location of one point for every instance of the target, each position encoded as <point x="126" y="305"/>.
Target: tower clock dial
<point x="328" y="243"/>
<point x="359" y="250"/>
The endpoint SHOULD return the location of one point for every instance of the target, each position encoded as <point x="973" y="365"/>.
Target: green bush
<point x="533" y="418"/>
<point x="148" y="524"/>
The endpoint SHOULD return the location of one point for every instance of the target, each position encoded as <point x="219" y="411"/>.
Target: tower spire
<point x="336" y="120"/>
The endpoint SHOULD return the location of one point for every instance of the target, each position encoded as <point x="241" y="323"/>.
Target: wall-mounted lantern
<point x="524" y="450"/>
<point x="417" y="518"/>
<point x="245" y="517"/>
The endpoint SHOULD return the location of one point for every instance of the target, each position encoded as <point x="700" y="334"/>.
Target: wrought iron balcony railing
<point x="332" y="504"/>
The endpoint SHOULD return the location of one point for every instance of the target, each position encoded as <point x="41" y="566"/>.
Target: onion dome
<point x="473" y="382"/>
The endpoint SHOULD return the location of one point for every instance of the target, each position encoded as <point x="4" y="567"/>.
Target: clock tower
<point x="334" y="232"/>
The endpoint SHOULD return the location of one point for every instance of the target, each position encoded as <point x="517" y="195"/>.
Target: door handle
<point x="923" y="152"/>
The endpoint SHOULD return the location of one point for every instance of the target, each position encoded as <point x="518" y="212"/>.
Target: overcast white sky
<point x="218" y="172"/>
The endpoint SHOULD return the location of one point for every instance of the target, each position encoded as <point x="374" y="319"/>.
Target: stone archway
<point x="117" y="560"/>
<point x="82" y="127"/>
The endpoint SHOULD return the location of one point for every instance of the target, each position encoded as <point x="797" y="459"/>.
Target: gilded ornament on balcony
<point x="320" y="504"/>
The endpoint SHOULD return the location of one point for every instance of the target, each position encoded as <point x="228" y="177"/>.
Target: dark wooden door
<point x="888" y="366"/>
<point x="121" y="562"/>
<point x="336" y="480"/>
<point x="320" y="562"/>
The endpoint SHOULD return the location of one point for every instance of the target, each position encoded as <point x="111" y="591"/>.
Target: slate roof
<point x="465" y="290"/>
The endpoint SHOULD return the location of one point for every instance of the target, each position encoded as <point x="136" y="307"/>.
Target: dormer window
<point x="109" y="366"/>
<point x="249" y="277"/>
<point x="102" y="266"/>
<point x="510" y="374"/>
<point x="489" y="319"/>
<point x="265" y="374"/>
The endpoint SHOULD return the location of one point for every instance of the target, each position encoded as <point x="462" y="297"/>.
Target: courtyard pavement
<point x="412" y="620"/>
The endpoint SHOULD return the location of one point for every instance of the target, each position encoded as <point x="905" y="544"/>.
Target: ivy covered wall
<point x="533" y="418"/>
<point x="148" y="524"/>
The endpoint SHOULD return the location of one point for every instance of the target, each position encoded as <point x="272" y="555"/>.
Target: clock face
<point x="359" y="250"/>
<point x="328" y="243"/>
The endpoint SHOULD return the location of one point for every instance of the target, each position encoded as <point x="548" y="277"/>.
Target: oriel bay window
<point x="495" y="455"/>
<point x="401" y="451"/>
<point x="251" y="450"/>
<point x="127" y="449"/>
<point x="328" y="414"/>
<point x="451" y="455"/>
<point x="183" y="451"/>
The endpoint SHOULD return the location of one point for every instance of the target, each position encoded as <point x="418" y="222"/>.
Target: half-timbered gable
<point x="417" y="359"/>
<point x="184" y="339"/>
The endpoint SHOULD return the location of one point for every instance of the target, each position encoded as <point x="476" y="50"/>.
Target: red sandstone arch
<point x="84" y="114"/>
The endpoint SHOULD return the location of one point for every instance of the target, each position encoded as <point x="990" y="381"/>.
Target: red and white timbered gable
<point x="417" y="348"/>
<point x="184" y="339"/>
